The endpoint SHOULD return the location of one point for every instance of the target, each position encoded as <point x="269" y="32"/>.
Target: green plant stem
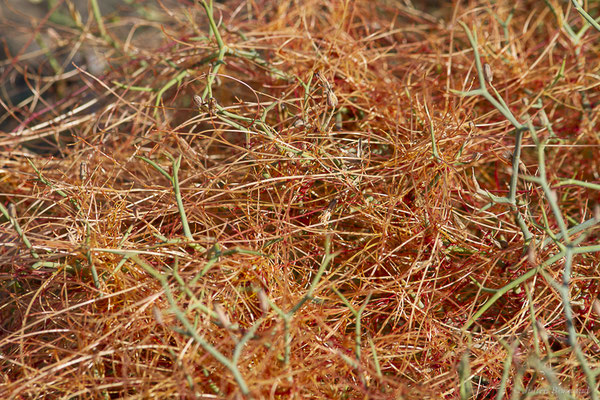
<point x="184" y="221"/>
<point x="213" y="260"/>
<point x="15" y="223"/>
<point x="465" y="376"/>
<point x="482" y="91"/>
<point x="100" y="22"/>
<point x="327" y="258"/>
<point x="133" y="88"/>
<point x="213" y="25"/>
<point x="572" y="231"/>
<point x="434" y="150"/>
<point x="510" y="286"/>
<point x="576" y="182"/>
<point x="287" y="316"/>
<point x="375" y="358"/>
<point x="51" y="59"/>
<point x="543" y="182"/>
<point x="231" y="365"/>
<point x="88" y="228"/>
<point x="358" y="316"/>
<point x="534" y="327"/>
<point x="585" y="15"/>
<point x="223" y="113"/>
<point x="177" y="80"/>
<point x="559" y="392"/>
<point x="174" y="180"/>
<point x="222" y="50"/>
<point x="510" y="349"/>
<point x="568" y="311"/>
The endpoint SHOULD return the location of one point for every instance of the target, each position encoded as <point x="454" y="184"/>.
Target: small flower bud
<point x="552" y="196"/>
<point x="541" y="330"/>
<point x="596" y="307"/>
<point x="474" y="157"/>
<point x="332" y="100"/>
<point x="212" y="104"/>
<point x="487" y="72"/>
<point x="83" y="171"/>
<point x="264" y="302"/>
<point x="222" y="316"/>
<point x="326" y="216"/>
<point x="531" y="255"/>
<point x="12" y="210"/>
<point x="158" y="315"/>
<point x="198" y="100"/>
<point x="298" y="123"/>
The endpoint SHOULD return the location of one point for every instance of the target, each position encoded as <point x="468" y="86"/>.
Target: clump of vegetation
<point x="302" y="200"/>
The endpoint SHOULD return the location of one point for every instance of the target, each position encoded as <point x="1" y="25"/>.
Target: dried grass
<point x="281" y="172"/>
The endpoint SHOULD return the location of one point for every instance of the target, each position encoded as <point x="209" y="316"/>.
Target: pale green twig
<point x="15" y="223"/>
<point x="585" y="15"/>
<point x="174" y="180"/>
<point x="88" y="228"/>
<point x="100" y="22"/>
<point x="230" y="364"/>
<point x="357" y="315"/>
<point x="287" y="316"/>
